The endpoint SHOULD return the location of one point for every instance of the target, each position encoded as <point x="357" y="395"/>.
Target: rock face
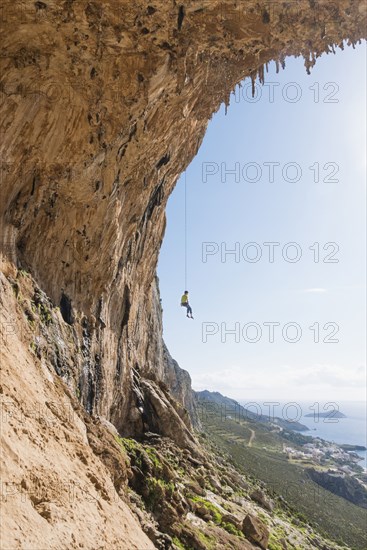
<point x="103" y="106"/>
<point x="179" y="384"/>
<point x="259" y="497"/>
<point x="256" y="531"/>
<point x="63" y="477"/>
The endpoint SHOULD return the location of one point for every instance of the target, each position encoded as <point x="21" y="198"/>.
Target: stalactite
<point x="226" y="103"/>
<point x="253" y="83"/>
<point x="261" y="74"/>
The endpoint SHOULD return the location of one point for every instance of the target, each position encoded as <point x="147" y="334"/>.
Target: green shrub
<point x="152" y="453"/>
<point x="232" y="529"/>
<point x="178" y="543"/>
<point x="129" y="445"/>
<point x="214" y="511"/>
<point x="208" y="541"/>
<point x="275" y="546"/>
<point x="158" y="491"/>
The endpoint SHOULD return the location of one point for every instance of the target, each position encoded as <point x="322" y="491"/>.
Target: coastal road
<point x="252" y="437"/>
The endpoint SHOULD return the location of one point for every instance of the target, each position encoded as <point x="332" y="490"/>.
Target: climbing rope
<point x="185" y="229"/>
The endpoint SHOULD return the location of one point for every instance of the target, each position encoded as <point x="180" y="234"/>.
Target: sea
<point x="351" y="430"/>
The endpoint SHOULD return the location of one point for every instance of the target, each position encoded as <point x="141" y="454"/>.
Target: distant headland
<point x="329" y="414"/>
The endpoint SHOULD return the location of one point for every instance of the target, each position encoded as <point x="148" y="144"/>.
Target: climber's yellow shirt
<point x="184" y="299"/>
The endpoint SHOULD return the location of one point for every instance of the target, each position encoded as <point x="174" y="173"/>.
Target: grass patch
<point x="152" y="453"/>
<point x="23" y="273"/>
<point x="274" y="537"/>
<point x="129" y="445"/>
<point x="158" y="491"/>
<point x="275" y="545"/>
<point x="207" y="540"/>
<point x="178" y="543"/>
<point x="33" y="346"/>
<point x="43" y="312"/>
<point x="135" y="450"/>
<point x="232" y="529"/>
<point x="213" y="510"/>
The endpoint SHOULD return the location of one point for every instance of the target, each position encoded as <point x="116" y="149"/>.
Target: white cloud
<point x="315" y="290"/>
<point x="319" y="380"/>
<point x="331" y="375"/>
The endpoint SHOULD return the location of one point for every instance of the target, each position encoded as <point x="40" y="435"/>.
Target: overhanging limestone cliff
<point x="104" y="104"/>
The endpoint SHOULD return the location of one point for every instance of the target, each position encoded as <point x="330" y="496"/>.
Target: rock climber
<point x="185" y="303"/>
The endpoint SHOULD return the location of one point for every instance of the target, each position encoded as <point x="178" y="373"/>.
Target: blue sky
<point x="324" y="129"/>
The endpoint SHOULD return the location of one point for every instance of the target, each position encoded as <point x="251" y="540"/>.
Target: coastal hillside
<point x="104" y="104"/>
<point x="314" y="482"/>
<point x="228" y="407"/>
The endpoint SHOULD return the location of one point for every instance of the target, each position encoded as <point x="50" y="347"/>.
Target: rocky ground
<point x="59" y="463"/>
<point x="205" y="503"/>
